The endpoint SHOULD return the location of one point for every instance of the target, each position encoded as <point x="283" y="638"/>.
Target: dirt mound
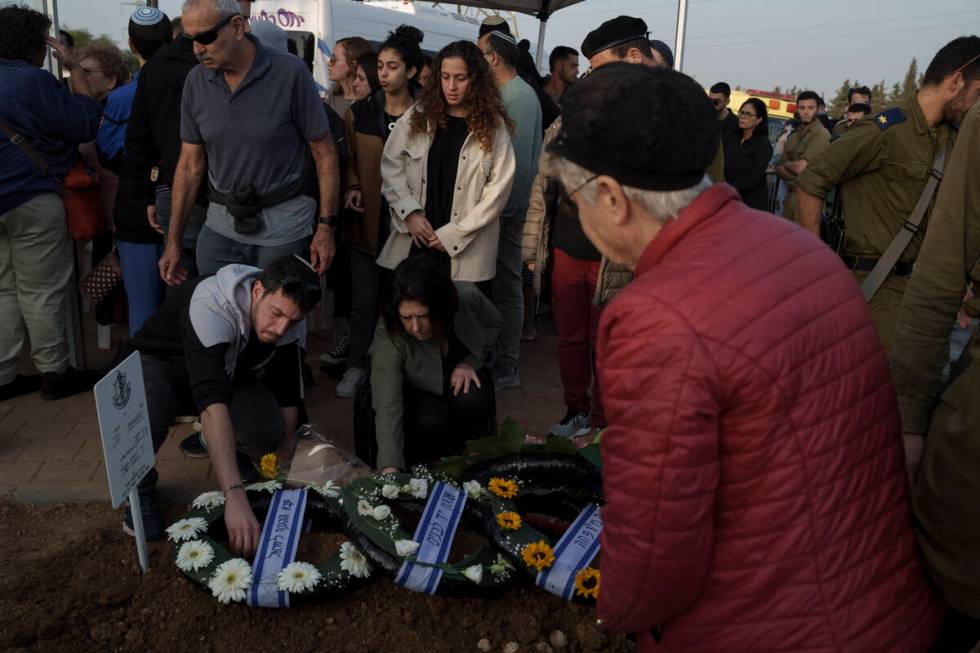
<point x="70" y="582"/>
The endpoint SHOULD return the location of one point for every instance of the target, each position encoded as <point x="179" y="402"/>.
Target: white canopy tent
<point x="542" y="10"/>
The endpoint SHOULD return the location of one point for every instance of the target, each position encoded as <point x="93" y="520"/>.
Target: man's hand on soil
<point x="243" y="527"/>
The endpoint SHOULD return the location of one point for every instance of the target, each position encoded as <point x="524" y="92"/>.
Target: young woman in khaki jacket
<point x="448" y="167"/>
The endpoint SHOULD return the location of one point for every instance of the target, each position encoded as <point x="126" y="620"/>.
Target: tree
<point x="896" y="93"/>
<point x="878" y="96"/>
<point x="84" y="37"/>
<point x="911" y="82"/>
<point x="838" y="104"/>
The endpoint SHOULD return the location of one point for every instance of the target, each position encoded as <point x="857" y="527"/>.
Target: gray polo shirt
<point x="257" y="135"/>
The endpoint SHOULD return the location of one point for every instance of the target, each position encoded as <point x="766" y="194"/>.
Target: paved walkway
<point x="51" y="450"/>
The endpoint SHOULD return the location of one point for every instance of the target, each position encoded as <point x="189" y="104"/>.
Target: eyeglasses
<point x="960" y="69"/>
<point x="566" y="199"/>
<point x="92" y="71"/>
<point x="746" y="114"/>
<point x="210" y="36"/>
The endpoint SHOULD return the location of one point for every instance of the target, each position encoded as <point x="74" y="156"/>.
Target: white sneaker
<point x="572" y="425"/>
<point x="353" y="378"/>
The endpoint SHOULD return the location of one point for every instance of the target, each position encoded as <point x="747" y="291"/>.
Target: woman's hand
<point x="390" y="470"/>
<point x="461" y="378"/>
<point x="61" y="53"/>
<point x="420" y="229"/>
<point x="352" y="201"/>
<point x="435" y="243"/>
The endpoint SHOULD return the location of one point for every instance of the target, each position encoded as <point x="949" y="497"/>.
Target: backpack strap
<point x="25" y="146"/>
<point x="904" y="236"/>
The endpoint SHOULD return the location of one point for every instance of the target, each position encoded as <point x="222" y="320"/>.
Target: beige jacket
<point x="483" y="182"/>
<point x="537" y="229"/>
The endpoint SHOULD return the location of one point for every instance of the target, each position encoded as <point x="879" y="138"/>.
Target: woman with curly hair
<point x="448" y="167"/>
<point x="35" y="253"/>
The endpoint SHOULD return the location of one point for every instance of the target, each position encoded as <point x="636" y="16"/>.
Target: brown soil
<point x="70" y="581"/>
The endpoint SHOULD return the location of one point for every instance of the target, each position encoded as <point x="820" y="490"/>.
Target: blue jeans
<point x="192" y="228"/>
<point x="141" y="278"/>
<point x="215" y="251"/>
<point x="508" y="295"/>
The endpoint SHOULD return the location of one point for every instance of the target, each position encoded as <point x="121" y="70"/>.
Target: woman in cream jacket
<point x="448" y="167"/>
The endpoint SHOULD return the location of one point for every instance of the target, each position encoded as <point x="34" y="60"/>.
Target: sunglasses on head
<point x="211" y="35"/>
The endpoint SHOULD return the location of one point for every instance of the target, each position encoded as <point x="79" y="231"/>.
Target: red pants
<point x="573" y="284"/>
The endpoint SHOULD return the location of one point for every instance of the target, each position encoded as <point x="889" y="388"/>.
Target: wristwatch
<point x="329" y="220"/>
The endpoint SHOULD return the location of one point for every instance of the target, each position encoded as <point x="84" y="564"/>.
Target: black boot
<point x="21" y="385"/>
<point x="58" y="385"/>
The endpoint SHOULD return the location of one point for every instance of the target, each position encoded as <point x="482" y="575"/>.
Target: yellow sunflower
<point x="503" y="487"/>
<point x="538" y="555"/>
<point x="587" y="583"/>
<point x="269" y="466"/>
<point x="509" y="521"/>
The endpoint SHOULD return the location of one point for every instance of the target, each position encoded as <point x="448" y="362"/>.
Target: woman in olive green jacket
<point x="430" y="388"/>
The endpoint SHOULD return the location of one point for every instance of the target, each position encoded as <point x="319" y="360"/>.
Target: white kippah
<point x="493" y="19"/>
<point x="147" y="16"/>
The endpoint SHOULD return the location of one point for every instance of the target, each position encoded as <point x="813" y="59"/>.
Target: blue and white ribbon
<point x="434" y="534"/>
<point x="574" y="551"/>
<point x="277" y="548"/>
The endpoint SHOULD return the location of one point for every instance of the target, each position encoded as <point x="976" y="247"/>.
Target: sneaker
<point x="573" y="425"/>
<point x="339" y="354"/>
<point x="354" y="377"/>
<point x="150" y="511"/>
<point x="58" y="385"/>
<point x="194" y="446"/>
<point x="21" y="385"/>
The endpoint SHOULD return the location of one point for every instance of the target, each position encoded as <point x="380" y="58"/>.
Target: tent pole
<point x="680" y="34"/>
<point x="51" y="9"/>
<point x="541" y="32"/>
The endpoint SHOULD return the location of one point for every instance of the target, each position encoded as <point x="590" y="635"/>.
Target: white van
<point x="315" y="25"/>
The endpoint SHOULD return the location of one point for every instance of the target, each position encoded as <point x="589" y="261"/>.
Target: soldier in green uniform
<point x="881" y="166"/>
<point x="806" y="142"/>
<point x="945" y="497"/>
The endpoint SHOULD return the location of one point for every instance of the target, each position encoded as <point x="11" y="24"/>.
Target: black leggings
<point x="438" y="426"/>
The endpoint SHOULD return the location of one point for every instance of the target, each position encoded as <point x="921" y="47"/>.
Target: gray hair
<point x="223" y="8"/>
<point x="662" y="205"/>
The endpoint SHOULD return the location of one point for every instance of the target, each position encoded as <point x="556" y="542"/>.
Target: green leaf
<point x="591" y="453"/>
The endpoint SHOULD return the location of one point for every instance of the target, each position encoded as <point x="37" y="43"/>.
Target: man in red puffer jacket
<point x="753" y="465"/>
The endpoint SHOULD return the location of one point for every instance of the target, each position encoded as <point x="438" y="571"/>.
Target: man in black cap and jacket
<point x="753" y="450"/>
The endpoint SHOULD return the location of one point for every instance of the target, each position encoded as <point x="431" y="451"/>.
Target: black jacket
<point x="745" y="169"/>
<point x="153" y="138"/>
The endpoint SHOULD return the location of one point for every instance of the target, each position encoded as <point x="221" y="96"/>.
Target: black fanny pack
<point x="245" y="205"/>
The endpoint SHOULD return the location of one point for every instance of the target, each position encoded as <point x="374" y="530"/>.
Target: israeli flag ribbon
<point x="434" y="534"/>
<point x="574" y="551"/>
<point x="277" y="548"/>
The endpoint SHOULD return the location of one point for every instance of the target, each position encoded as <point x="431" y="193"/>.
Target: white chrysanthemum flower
<point x="390" y="491"/>
<point x="474" y="573"/>
<point x="194" y="555"/>
<point x="473" y="489"/>
<point x="187" y="529"/>
<point x="364" y="509"/>
<point x="418" y="488"/>
<point x="265" y="486"/>
<point x="209" y="500"/>
<point x="231" y="580"/>
<point x="329" y="489"/>
<point x="381" y="513"/>
<point x="298" y="577"/>
<point x="405" y="548"/>
<point x="353" y="561"/>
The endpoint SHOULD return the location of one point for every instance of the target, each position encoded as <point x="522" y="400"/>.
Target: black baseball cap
<point x="649" y="128"/>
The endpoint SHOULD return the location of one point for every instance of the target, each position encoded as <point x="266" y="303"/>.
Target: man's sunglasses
<point x="211" y="35"/>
